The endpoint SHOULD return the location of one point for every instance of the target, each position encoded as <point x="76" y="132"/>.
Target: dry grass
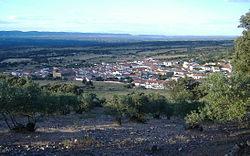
<point x="16" y="60"/>
<point x="168" y="56"/>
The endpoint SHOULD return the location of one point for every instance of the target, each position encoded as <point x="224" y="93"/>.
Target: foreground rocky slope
<point x="98" y="135"/>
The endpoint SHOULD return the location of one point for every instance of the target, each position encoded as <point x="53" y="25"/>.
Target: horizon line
<point x="113" y="33"/>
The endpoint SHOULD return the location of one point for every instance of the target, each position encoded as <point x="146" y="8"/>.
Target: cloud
<point x="11" y="17"/>
<point x="237" y="1"/>
<point x="6" y="22"/>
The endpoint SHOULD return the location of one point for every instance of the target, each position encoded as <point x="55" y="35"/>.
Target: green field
<point x="106" y="89"/>
<point x="70" y="55"/>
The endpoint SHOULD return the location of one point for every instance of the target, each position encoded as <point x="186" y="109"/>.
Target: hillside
<point x="96" y="134"/>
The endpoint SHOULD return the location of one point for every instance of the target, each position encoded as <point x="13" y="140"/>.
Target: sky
<point x="152" y="17"/>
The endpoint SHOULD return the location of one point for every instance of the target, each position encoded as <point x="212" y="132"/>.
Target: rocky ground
<point x="98" y="135"/>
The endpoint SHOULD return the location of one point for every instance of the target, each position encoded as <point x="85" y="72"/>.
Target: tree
<point x="136" y="103"/>
<point x="88" y="101"/>
<point x="131" y="105"/>
<point x="63" y="88"/>
<point x="158" y="105"/>
<point x="22" y="100"/>
<point x="242" y="46"/>
<point x="185" y="95"/>
<point x="226" y="99"/>
<point x="245" y="21"/>
<point x="116" y="108"/>
<point x="87" y="82"/>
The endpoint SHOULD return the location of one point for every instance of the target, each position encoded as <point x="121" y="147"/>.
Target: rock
<point x="194" y="127"/>
<point x="118" y="121"/>
<point x="180" y="149"/>
<point x="236" y="150"/>
<point x="42" y="148"/>
<point x="248" y="143"/>
<point x="153" y="147"/>
<point x="26" y="146"/>
<point x="31" y="127"/>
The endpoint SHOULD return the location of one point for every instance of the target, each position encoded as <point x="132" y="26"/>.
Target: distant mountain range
<point x="77" y="35"/>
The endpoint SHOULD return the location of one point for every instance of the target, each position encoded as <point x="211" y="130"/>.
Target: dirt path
<point x="74" y="135"/>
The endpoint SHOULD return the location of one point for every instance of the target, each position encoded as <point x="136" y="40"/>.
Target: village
<point x="147" y="73"/>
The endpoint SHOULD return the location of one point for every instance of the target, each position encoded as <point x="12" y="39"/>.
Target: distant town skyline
<point x="150" y="17"/>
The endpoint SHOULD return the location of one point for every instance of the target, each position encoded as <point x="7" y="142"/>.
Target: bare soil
<point x="98" y="135"/>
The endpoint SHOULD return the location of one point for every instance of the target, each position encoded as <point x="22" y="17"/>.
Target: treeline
<point x="228" y="98"/>
<point x="217" y="99"/>
<point x="138" y="106"/>
<point x="21" y="97"/>
<point x="25" y="48"/>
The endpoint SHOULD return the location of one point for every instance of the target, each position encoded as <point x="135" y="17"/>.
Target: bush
<point x="185" y="95"/>
<point x="193" y="118"/>
<point x="226" y="99"/>
<point x="158" y="105"/>
<point x="87" y="102"/>
<point x="63" y="88"/>
<point x="131" y="106"/>
<point x="137" y="106"/>
<point x="16" y="100"/>
<point x="115" y="108"/>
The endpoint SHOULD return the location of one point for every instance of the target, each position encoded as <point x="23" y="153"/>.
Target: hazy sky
<point x="164" y="17"/>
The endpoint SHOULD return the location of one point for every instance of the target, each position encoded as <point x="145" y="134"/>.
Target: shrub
<point x="63" y="88"/>
<point x="136" y="106"/>
<point x="193" y="118"/>
<point x="87" y="102"/>
<point x="158" y="105"/>
<point x="22" y="100"/>
<point x="226" y="99"/>
<point x="131" y="106"/>
<point x="185" y="95"/>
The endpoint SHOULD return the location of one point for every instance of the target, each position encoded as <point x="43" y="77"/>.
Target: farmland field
<point x="105" y="89"/>
<point x="68" y="52"/>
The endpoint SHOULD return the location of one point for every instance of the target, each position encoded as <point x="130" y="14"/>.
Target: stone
<point x="248" y="143"/>
<point x="42" y="148"/>
<point x="153" y="147"/>
<point x="180" y="149"/>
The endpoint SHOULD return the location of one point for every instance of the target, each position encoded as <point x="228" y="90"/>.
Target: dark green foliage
<point x="188" y="84"/>
<point x="242" y="54"/>
<point x="66" y="102"/>
<point x="136" y="103"/>
<point x="128" y="79"/>
<point x="185" y="95"/>
<point x="14" y="80"/>
<point x="87" y="102"/>
<point x="99" y="79"/>
<point x="131" y="106"/>
<point x="245" y="21"/>
<point x="22" y="100"/>
<point x="158" y="105"/>
<point x="242" y="47"/>
<point x="226" y="99"/>
<point x="63" y="88"/>
<point x="87" y="83"/>
<point x="129" y="86"/>
<point x="115" y="107"/>
<point x="137" y="106"/>
<point x="168" y="75"/>
<point x="21" y="97"/>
